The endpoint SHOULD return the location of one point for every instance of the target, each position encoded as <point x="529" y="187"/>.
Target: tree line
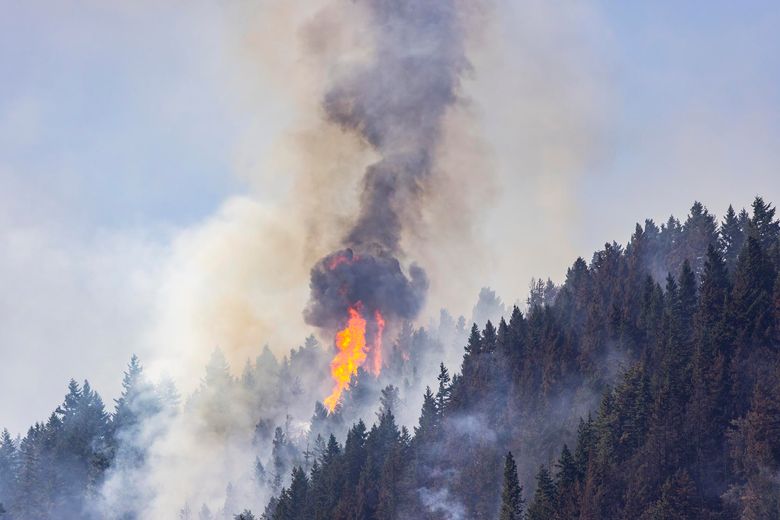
<point x="669" y="346"/>
<point x="645" y="386"/>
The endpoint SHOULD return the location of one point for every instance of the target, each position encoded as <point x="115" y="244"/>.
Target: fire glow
<point x="356" y="296"/>
<point x="353" y="351"/>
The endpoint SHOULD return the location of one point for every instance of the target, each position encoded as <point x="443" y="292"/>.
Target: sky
<point x="138" y="197"/>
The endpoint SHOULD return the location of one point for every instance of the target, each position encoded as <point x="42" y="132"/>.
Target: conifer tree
<point x="751" y="295"/>
<point x="389" y="400"/>
<point x="543" y="505"/>
<point x="566" y="481"/>
<point x="776" y="308"/>
<point x="489" y="338"/>
<point x="678" y="500"/>
<point x="698" y="233"/>
<point x="474" y="345"/>
<point x="512" y="492"/>
<point x="732" y="238"/>
<point x="205" y="513"/>
<point x="444" y="391"/>
<point x="763" y="226"/>
<point x="429" y="418"/>
<point x="9" y="465"/>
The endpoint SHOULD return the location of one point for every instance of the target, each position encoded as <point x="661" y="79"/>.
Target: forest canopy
<point x="643" y="386"/>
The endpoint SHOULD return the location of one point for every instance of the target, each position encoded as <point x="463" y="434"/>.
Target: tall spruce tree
<point x="512" y="492"/>
<point x="732" y="237"/>
<point x="543" y="505"/>
<point x="763" y="226"/>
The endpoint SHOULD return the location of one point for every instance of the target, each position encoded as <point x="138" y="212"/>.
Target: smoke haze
<point x="507" y="111"/>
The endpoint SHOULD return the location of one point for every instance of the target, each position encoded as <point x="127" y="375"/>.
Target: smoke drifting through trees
<point x="203" y="456"/>
<point x="702" y="349"/>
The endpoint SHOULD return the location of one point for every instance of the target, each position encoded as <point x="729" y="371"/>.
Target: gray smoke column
<point x="396" y="104"/>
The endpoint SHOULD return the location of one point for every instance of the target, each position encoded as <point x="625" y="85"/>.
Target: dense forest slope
<point x="645" y="386"/>
<point x="689" y="429"/>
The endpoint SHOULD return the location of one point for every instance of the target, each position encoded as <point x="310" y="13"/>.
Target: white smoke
<point x="239" y="279"/>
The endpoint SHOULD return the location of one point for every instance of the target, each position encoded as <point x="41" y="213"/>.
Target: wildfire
<point x="341" y="259"/>
<point x="377" y="350"/>
<point x="353" y="352"/>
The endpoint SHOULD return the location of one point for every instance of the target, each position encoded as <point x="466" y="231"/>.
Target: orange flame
<point x="376" y="352"/>
<point x="352" y="354"/>
<point x="351" y="343"/>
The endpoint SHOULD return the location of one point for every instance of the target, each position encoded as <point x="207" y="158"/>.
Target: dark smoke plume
<point x="396" y="104"/>
<point x="342" y="279"/>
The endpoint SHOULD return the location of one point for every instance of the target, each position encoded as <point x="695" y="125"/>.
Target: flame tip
<point x="353" y="352"/>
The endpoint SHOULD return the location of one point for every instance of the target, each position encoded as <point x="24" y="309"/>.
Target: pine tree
<point x="138" y="402"/>
<point x="205" y="513"/>
<point x="248" y="379"/>
<point x="428" y="427"/>
<point x="776" y="307"/>
<point x="9" y="465"/>
<point x="474" y="345"/>
<point x="126" y="408"/>
<point x="444" y="391"/>
<point x="489" y="338"/>
<point x="217" y="371"/>
<point x="732" y="238"/>
<point x="512" y="492"/>
<point x="566" y="484"/>
<point x="586" y="440"/>
<point x="698" y="233"/>
<point x="168" y="396"/>
<point x="708" y="410"/>
<point x="763" y="226"/>
<point x="388" y="400"/>
<point x="545" y="498"/>
<point x="678" y="500"/>
<point x="688" y="300"/>
<point x="755" y="452"/>
<point x="298" y="495"/>
<point x="751" y="296"/>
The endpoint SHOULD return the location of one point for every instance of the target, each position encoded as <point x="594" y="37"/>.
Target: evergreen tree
<point x="388" y="400"/>
<point x="678" y="500"/>
<point x="763" y="226"/>
<point x="298" y="496"/>
<point x="732" y="237"/>
<point x="543" y="505"/>
<point x="205" y="513"/>
<point x="566" y="484"/>
<point x="698" y="233"/>
<point x="444" y="391"/>
<point x="512" y="492"/>
<point x="429" y="418"/>
<point x="489" y="338"/>
<point x="474" y="345"/>
<point x="9" y="465"/>
<point x="138" y="402"/>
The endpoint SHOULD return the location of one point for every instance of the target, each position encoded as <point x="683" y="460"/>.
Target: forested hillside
<point x="645" y="386"/>
<point x="678" y="333"/>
